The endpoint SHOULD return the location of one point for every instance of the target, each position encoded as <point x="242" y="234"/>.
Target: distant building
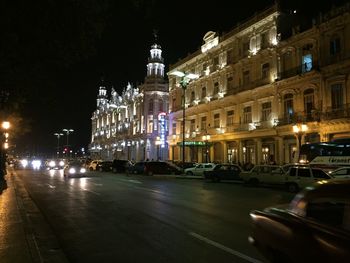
<point x="133" y="125"/>
<point x="257" y="81"/>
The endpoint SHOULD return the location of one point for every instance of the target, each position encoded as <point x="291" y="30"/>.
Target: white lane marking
<point x="97" y="184"/>
<point x="93" y="192"/>
<point x="51" y="186"/>
<point x="227" y="249"/>
<point x="132" y="181"/>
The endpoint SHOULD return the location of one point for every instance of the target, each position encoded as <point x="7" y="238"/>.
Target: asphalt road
<point x="107" y="217"/>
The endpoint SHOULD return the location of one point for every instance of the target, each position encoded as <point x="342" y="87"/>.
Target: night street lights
<point x="58" y="135"/>
<point x="185" y="80"/>
<point x="206" y="139"/>
<point x="299" y="130"/>
<point x="68" y="131"/>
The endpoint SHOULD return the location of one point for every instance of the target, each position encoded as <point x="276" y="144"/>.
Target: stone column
<point x="279" y="151"/>
<point x="224" y="146"/>
<point x="258" y="154"/>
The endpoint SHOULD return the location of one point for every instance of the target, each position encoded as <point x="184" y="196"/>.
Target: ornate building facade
<point x="133" y="125"/>
<point x="257" y="81"/>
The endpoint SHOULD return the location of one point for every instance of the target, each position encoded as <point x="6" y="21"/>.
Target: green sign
<point x="194" y="143"/>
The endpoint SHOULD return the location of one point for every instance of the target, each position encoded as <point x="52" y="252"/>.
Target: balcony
<point x="338" y="113"/>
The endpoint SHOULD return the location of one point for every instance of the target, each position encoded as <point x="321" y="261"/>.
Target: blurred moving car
<point x="74" y="168"/>
<point x="137" y="168"/>
<point x="294" y="179"/>
<point x="93" y="165"/>
<point x="159" y="167"/>
<point x="120" y="166"/>
<point x="314" y="227"/>
<point x="342" y="172"/>
<point x="104" y="166"/>
<point x="224" y="172"/>
<point x="199" y="169"/>
<point x="55" y="164"/>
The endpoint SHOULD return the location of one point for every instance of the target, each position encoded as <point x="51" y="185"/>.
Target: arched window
<point x="288" y="106"/>
<point x="308" y="103"/>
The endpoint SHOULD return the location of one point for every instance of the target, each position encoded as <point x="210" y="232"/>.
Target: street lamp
<point x="186" y="78"/>
<point x="68" y="131"/>
<point x="58" y="135"/>
<point x="299" y="130"/>
<point x="206" y="138"/>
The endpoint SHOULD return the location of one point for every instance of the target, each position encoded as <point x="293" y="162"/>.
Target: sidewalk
<point x="25" y="236"/>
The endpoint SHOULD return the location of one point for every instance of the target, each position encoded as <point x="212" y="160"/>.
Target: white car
<point x="93" y="164"/>
<point x="342" y="172"/>
<point x="199" y="169"/>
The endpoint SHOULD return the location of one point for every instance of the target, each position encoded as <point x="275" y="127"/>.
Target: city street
<point x="105" y="217"/>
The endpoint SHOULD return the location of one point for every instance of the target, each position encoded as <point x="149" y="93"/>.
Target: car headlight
<point x="52" y="163"/>
<point x="61" y="163"/>
<point x="72" y="170"/>
<point x="82" y="170"/>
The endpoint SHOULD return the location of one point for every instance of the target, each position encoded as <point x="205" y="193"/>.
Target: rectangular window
<point x="265" y="70"/>
<point x="264" y="40"/>
<point x="216" y="88"/>
<point x="229" y="83"/>
<point x="245" y="48"/>
<point x="334" y="46"/>
<point x="247" y="114"/>
<point x="216" y="63"/>
<point x="307" y="63"/>
<point x="174" y="128"/>
<point x="193" y="125"/>
<point x="217" y="120"/>
<point x="204" y="92"/>
<point x="150" y="126"/>
<point x="192" y="96"/>
<point x="265" y="111"/>
<point x="174" y="104"/>
<point x="337" y="96"/>
<point x="229" y="56"/>
<point x="229" y="120"/>
<point x="204" y="123"/>
<point x="246" y="77"/>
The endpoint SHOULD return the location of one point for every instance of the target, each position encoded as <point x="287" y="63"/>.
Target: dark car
<point x="314" y="227"/>
<point x="161" y="168"/>
<point x="224" y="172"/>
<point x="104" y="166"/>
<point x="137" y="168"/>
<point x="120" y="166"/>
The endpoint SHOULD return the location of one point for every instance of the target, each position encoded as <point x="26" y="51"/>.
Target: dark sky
<point x="66" y="51"/>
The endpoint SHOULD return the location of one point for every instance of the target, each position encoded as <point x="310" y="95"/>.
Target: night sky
<point x="53" y="54"/>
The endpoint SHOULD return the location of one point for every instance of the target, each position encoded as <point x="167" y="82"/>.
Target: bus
<point x="335" y="152"/>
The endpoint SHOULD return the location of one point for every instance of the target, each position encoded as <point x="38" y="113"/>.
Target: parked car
<point x="74" y="168"/>
<point x="314" y="227"/>
<point x="156" y="167"/>
<point x="200" y="168"/>
<point x="137" y="168"/>
<point x="185" y="165"/>
<point x="121" y="166"/>
<point x="294" y="179"/>
<point x="104" y="166"/>
<point x="342" y="172"/>
<point x="93" y="165"/>
<point x="224" y="172"/>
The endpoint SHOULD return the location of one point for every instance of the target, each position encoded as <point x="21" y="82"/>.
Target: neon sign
<point x="162" y="128"/>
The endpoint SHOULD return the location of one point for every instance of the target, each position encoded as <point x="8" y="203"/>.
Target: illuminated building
<point x="133" y="125"/>
<point x="257" y="81"/>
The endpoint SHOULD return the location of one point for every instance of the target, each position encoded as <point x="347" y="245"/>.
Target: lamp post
<point x="299" y="130"/>
<point x="186" y="78"/>
<point x="5" y="126"/>
<point x="58" y="135"/>
<point x="206" y="138"/>
<point x="68" y="131"/>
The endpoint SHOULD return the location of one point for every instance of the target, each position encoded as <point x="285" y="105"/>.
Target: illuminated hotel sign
<point x="194" y="143"/>
<point x="162" y="128"/>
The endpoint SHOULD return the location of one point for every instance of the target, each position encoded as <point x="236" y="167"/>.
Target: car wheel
<point x="189" y="173"/>
<point x="253" y="181"/>
<point x="292" y="187"/>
